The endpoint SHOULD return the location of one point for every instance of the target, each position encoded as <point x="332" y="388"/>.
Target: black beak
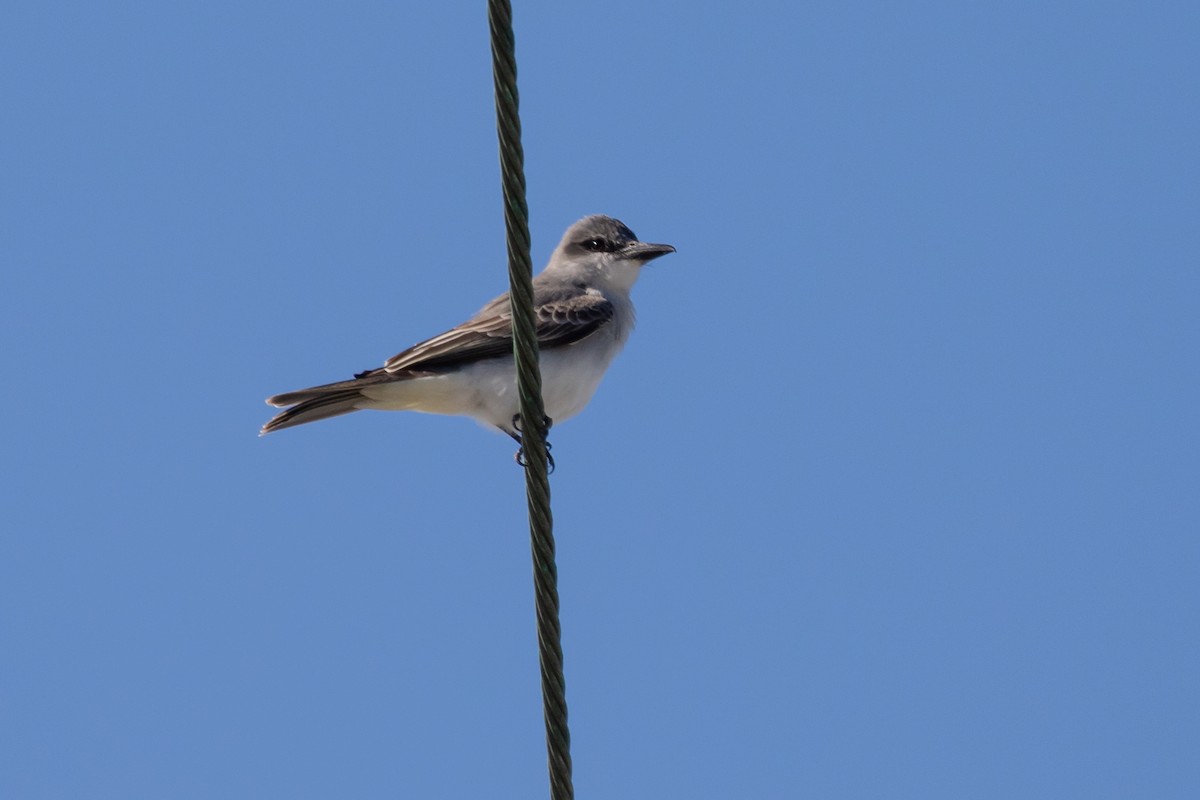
<point x="641" y="251"/>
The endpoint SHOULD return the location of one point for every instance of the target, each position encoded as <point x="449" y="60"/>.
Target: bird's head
<point x="605" y="249"/>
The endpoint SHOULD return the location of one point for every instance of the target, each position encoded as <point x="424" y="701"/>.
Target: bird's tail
<point x="310" y="405"/>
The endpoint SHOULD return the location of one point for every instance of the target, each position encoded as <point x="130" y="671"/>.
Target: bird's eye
<point x="598" y="245"/>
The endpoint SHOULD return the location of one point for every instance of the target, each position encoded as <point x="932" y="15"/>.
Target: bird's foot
<point x="519" y="456"/>
<point x="547" y="424"/>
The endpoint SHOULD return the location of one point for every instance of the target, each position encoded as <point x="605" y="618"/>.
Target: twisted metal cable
<point x="529" y="388"/>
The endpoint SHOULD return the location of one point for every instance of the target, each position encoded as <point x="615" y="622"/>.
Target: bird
<point x="584" y="315"/>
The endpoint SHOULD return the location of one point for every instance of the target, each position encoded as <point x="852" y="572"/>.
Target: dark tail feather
<point x="310" y="406"/>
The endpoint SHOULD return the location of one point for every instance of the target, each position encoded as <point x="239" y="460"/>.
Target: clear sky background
<point x="895" y="492"/>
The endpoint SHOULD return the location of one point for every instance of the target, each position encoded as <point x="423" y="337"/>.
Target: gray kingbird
<point x="584" y="315"/>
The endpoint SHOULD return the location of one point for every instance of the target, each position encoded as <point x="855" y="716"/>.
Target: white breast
<point x="487" y="391"/>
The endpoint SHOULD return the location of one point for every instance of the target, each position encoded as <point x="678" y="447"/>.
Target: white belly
<point x="487" y="391"/>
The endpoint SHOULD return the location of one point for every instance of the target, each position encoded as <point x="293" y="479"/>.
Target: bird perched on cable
<point x="584" y="315"/>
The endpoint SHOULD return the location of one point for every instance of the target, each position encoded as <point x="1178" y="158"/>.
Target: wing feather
<point x="562" y="319"/>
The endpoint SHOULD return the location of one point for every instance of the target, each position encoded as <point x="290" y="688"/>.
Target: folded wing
<point x="561" y="321"/>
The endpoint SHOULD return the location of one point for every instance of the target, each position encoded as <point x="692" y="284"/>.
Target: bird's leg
<point x="519" y="456"/>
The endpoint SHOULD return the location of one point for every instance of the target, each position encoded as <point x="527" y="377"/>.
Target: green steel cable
<point x="529" y="388"/>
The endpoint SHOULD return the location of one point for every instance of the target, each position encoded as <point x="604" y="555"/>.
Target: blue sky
<point x="893" y="493"/>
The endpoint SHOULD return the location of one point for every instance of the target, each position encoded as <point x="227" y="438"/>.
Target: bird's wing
<point x="563" y="318"/>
